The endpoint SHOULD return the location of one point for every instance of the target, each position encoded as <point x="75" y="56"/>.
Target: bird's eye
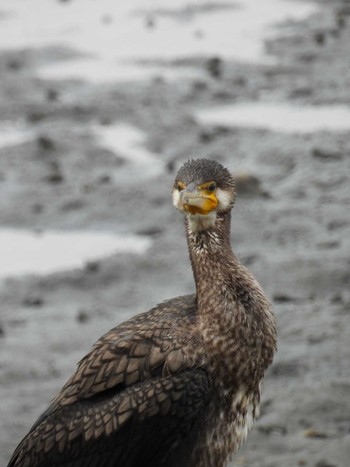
<point x="212" y="187"/>
<point x="180" y="186"/>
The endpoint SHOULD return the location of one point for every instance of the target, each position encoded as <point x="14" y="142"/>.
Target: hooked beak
<point x="195" y="200"/>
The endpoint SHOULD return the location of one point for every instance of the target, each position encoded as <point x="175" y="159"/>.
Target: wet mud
<point x="290" y="225"/>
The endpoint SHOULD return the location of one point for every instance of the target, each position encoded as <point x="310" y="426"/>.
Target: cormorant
<point x="180" y="384"/>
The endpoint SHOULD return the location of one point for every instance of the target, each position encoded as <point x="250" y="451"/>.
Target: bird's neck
<point x="216" y="269"/>
<point x="231" y="306"/>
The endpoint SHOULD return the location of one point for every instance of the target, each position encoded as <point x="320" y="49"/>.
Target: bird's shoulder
<point x="148" y="345"/>
<point x="133" y="381"/>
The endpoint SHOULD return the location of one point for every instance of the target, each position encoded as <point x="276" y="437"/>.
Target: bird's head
<point x="202" y="189"/>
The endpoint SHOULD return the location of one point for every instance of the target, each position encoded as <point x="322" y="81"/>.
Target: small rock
<point x="73" y="205"/>
<point x="104" y="179"/>
<point x="223" y="95"/>
<point x="52" y="95"/>
<point x="284" y="298"/>
<point x="291" y="368"/>
<point x="249" y="185"/>
<point x="301" y="92"/>
<point x="210" y="134"/>
<point x="150" y="231"/>
<point x="14" y="64"/>
<point x="314" y="433"/>
<point x="36" y="116"/>
<point x="33" y="301"/>
<point x="214" y="66"/>
<point x="337" y="224"/>
<point x="55" y="176"/>
<point x="307" y="57"/>
<point x="170" y="166"/>
<point x="205" y="136"/>
<point x="248" y="260"/>
<point x="337" y="299"/>
<point x="199" y="86"/>
<point x="320" y="37"/>
<point x="324" y="463"/>
<point x="314" y="340"/>
<point x="324" y="154"/>
<point x="272" y="428"/>
<point x="83" y="316"/>
<point x="92" y="266"/>
<point x="241" y="81"/>
<point x="45" y="143"/>
<point x="106" y="120"/>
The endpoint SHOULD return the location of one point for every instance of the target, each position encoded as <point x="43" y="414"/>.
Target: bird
<point x="180" y="384"/>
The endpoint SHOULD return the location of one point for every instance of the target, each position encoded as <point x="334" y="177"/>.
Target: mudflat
<point x="61" y="170"/>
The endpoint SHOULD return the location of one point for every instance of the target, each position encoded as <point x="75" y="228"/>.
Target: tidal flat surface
<point x="84" y="149"/>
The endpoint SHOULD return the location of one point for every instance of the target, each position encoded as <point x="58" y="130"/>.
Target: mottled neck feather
<point x="226" y="291"/>
<point x="216" y="270"/>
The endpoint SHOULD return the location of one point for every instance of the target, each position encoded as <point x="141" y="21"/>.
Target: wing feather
<point x="142" y="425"/>
<point x="134" y="376"/>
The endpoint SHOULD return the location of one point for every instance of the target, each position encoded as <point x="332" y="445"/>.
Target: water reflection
<point x="282" y="117"/>
<point x="26" y="252"/>
<point x="124" y="32"/>
<point x="127" y="141"/>
<point x="12" y="134"/>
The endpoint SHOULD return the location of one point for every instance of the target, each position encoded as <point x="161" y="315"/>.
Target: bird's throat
<point x="213" y="261"/>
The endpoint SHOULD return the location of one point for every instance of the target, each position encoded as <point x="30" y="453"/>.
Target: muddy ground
<point x="291" y="226"/>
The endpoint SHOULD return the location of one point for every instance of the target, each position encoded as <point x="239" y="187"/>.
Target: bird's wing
<point x="148" y="345"/>
<point x="135" y="376"/>
<point x="140" y="426"/>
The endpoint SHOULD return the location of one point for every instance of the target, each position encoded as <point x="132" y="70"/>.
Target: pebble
<point x="83" y="316"/>
<point x="325" y="155"/>
<point x="248" y="184"/>
<point x="214" y="66"/>
<point x="33" y="301"/>
<point x="324" y="463"/>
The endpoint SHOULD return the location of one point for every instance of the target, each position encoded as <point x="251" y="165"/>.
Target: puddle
<point x="99" y="70"/>
<point x="14" y="134"/>
<point x="128" y="31"/>
<point x="128" y="142"/>
<point x="26" y="252"/>
<point x="281" y="117"/>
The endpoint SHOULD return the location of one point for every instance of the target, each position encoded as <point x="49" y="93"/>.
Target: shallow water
<point x="127" y="141"/>
<point x="124" y="32"/>
<point x="12" y="134"/>
<point x="27" y="252"/>
<point x="275" y="116"/>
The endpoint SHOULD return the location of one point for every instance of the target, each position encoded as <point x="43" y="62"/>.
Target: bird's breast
<point x="229" y="418"/>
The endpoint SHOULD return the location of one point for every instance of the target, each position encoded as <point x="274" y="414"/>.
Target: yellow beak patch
<point x="200" y="202"/>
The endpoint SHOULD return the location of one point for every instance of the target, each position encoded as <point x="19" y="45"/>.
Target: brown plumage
<point x="180" y="384"/>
